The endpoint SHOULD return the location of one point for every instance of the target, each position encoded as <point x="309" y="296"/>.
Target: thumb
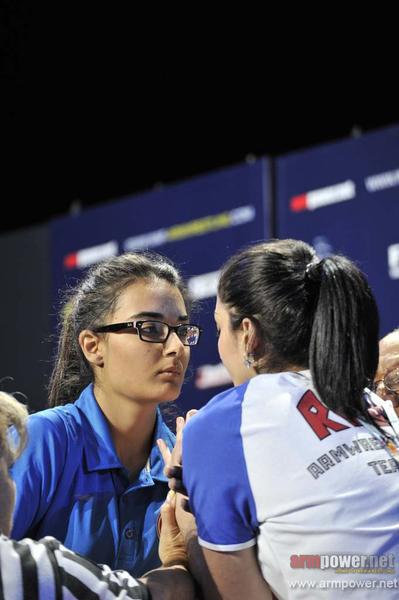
<point x="171" y="544"/>
<point x="169" y="523"/>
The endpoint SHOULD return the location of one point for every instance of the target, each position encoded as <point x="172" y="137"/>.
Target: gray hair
<point x="14" y="414"/>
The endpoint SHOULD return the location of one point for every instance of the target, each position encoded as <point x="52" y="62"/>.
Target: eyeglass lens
<point x="153" y="331"/>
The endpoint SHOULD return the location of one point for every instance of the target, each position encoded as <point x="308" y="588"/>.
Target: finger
<point x="180" y="422"/>
<point x="190" y="414"/>
<point x="181" y="499"/>
<point x="171" y="499"/>
<point x="177" y="486"/>
<point x="185" y="504"/>
<point x="173" y="471"/>
<point x="168" y="512"/>
<point x="164" y="450"/>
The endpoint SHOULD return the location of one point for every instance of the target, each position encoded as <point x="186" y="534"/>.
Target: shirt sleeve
<point x="46" y="569"/>
<point x="215" y="476"/>
<point x="37" y="471"/>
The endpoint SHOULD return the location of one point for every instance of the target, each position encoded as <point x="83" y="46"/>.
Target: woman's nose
<point x="174" y="344"/>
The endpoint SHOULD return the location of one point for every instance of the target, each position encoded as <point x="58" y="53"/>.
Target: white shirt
<point x="267" y="463"/>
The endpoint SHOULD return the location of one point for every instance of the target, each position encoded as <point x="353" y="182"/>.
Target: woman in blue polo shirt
<point x="92" y="475"/>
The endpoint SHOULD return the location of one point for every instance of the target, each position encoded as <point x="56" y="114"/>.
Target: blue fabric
<point x="215" y="473"/>
<point x="71" y="485"/>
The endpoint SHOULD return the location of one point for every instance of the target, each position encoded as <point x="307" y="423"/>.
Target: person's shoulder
<point x="55" y="414"/>
<point x="227" y="400"/>
<point x="60" y="422"/>
<point x="27" y="547"/>
<point x="223" y="407"/>
<point x="283" y="389"/>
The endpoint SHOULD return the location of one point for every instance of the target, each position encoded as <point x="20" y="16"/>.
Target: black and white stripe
<point x="46" y="570"/>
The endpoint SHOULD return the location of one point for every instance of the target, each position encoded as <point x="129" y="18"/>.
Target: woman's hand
<point x="185" y="519"/>
<point x="173" y="460"/>
<point x="174" y="471"/>
<point x="172" y="550"/>
<point x="172" y="580"/>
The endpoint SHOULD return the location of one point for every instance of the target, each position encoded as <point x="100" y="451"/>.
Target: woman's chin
<point x="170" y="395"/>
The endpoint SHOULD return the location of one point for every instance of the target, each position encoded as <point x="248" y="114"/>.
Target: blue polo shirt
<point x="71" y="485"/>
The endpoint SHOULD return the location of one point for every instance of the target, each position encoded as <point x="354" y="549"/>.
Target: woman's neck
<point x="280" y="368"/>
<point x="132" y="428"/>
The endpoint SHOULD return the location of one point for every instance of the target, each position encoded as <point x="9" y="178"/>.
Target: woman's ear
<point x="250" y="337"/>
<point x="90" y="343"/>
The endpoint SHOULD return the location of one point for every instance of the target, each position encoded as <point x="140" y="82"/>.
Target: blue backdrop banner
<point x="344" y="198"/>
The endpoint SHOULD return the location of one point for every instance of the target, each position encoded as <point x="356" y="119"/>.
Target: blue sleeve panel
<point x="215" y="474"/>
<point x="37" y="471"/>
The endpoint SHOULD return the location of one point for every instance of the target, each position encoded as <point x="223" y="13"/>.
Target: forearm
<point x="169" y="583"/>
<point x="238" y="574"/>
<point x="199" y="568"/>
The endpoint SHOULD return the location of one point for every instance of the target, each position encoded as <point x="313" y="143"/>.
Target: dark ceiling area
<point x="73" y="136"/>
<point x="56" y="164"/>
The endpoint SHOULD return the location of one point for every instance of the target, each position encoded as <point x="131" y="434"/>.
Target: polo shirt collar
<point x="98" y="443"/>
<point x="99" y="446"/>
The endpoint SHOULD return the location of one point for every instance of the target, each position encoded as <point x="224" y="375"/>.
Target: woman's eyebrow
<point x="156" y="315"/>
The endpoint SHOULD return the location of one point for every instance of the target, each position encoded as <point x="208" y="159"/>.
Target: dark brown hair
<point x="309" y="313"/>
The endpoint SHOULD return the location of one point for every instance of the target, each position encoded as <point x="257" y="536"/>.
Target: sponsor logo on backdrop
<point x="203" y="286"/>
<point x="181" y="231"/>
<point x="89" y="256"/>
<point x="232" y="218"/>
<point x="340" y="192"/>
<point x="208" y="376"/>
<point x="382" y="181"/>
<point x="322" y="246"/>
<point x="393" y="261"/>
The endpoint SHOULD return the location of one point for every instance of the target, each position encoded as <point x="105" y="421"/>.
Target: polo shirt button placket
<point x="129" y="533"/>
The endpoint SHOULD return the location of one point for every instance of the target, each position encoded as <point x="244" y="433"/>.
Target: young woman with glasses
<point x="92" y="475"/>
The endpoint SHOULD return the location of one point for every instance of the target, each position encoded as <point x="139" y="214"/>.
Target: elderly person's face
<point x="386" y="381"/>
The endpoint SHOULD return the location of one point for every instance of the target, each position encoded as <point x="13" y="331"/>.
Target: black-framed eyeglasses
<point x="390" y="382"/>
<point x="156" y="331"/>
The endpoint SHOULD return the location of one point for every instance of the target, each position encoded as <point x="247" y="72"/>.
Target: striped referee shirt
<point x="46" y="570"/>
